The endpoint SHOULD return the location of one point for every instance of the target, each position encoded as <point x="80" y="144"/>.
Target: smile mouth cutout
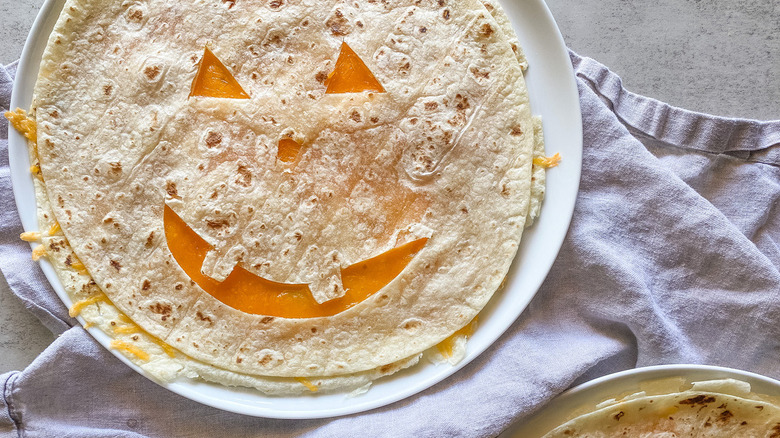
<point x="250" y="293"/>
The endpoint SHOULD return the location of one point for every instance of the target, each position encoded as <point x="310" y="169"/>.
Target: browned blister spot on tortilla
<point x="151" y="72"/>
<point x="338" y="24"/>
<point x="484" y="74"/>
<point x="116" y="265"/>
<point x="135" y="15"/>
<point x="161" y="309"/>
<point x="244" y="177"/>
<point x="412" y="325"/>
<point x="725" y="416"/>
<point x="698" y="400"/>
<point x="170" y="188"/>
<point x="115" y="167"/>
<point x="213" y="138"/>
<point x="486" y="30"/>
<point x="56" y="245"/>
<point x="217" y="223"/>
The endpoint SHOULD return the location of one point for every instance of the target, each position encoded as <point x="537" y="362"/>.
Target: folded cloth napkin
<point x="671" y="257"/>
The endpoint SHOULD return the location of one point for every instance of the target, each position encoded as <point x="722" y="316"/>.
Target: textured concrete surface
<point x="716" y="56"/>
<point x="16" y="18"/>
<point x="22" y="337"/>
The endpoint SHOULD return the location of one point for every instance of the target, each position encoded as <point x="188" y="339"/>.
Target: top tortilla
<point x="116" y="130"/>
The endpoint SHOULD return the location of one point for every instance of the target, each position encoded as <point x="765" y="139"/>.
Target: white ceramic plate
<point x="553" y="95"/>
<point x="588" y="395"/>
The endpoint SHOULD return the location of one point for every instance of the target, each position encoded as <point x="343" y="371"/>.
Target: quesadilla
<point x="275" y="194"/>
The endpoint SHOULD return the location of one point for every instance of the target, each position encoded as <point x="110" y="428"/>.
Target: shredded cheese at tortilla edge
<point x="170" y="351"/>
<point x="23" y="123"/>
<point x="36" y="170"/>
<point x="126" y="329"/>
<point x="548" y="162"/>
<point x="38" y="252"/>
<point x="78" y="306"/>
<point x="305" y="382"/>
<point x="129" y="348"/>
<point x="55" y="228"/>
<point x="30" y="236"/>
<point x="446" y="346"/>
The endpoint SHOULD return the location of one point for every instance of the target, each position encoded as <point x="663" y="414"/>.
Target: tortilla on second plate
<point x="711" y="409"/>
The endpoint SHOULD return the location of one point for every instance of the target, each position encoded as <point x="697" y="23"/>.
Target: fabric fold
<point x="676" y="126"/>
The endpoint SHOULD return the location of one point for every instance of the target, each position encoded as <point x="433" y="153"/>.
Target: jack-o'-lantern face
<point x="249" y="191"/>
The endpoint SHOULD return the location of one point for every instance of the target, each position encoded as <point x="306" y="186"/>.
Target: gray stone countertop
<point x="715" y="56"/>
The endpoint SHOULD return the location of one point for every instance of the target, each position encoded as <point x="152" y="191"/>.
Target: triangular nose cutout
<point x="351" y="75"/>
<point x="215" y="80"/>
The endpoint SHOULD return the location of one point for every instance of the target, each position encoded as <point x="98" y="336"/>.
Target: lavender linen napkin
<point x="671" y="257"/>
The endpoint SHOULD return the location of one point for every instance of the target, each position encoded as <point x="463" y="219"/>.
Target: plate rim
<point x="482" y="339"/>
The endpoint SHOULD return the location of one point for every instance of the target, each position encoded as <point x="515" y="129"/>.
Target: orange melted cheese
<point x="55" y="228"/>
<point x="23" y="123"/>
<point x="79" y="267"/>
<point x="36" y="171"/>
<point x="131" y="328"/>
<point x="288" y="150"/>
<point x="305" y="382"/>
<point x="129" y="348"/>
<point x="126" y="329"/>
<point x="351" y="75"/>
<point x="30" y="236"/>
<point x="447" y="346"/>
<point x="250" y="293"/>
<point x="548" y="162"/>
<point x="78" y="306"/>
<point x="215" y="80"/>
<point x="38" y="252"/>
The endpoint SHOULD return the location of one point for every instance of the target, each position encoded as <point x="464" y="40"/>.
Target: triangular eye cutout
<point x="215" y="80"/>
<point x="351" y="75"/>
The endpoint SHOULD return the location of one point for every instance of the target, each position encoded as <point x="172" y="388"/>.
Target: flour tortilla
<point x="713" y="409"/>
<point x="115" y="130"/>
